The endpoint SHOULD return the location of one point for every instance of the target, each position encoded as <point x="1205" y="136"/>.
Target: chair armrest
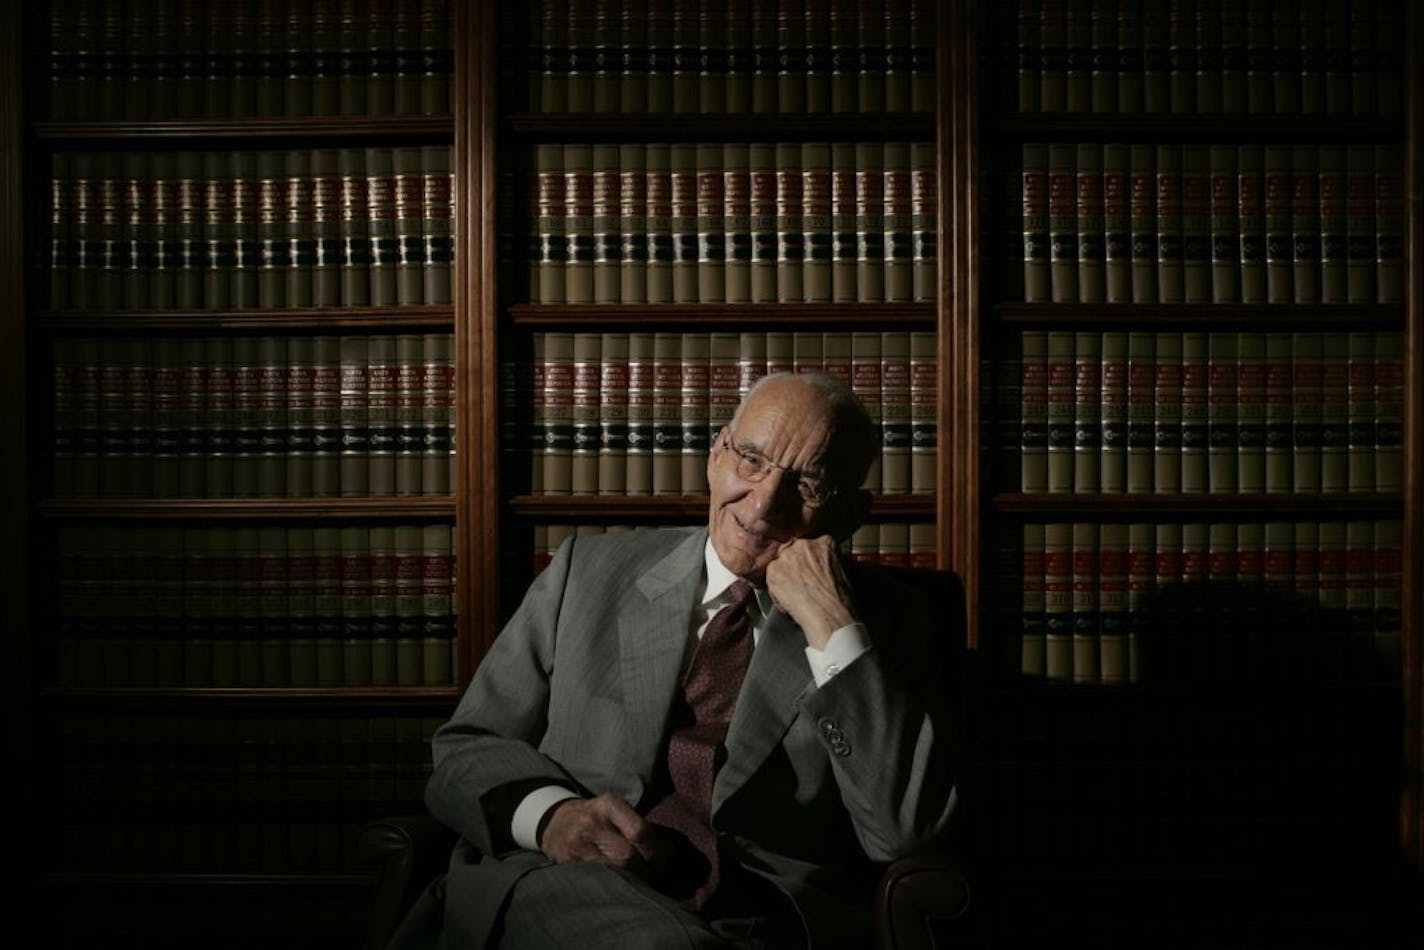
<point x="406" y="852"/>
<point x="916" y="897"/>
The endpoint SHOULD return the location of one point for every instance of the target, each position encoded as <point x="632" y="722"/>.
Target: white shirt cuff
<point x="524" y="826"/>
<point x="842" y="649"/>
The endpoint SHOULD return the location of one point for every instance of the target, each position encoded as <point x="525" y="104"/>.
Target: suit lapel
<point x="776" y="679"/>
<point x="652" y="634"/>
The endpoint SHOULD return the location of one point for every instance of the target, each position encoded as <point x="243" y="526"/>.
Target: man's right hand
<point x="605" y="829"/>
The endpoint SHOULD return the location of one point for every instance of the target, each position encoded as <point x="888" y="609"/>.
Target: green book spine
<point x="380" y="215"/>
<point x="300" y="227"/>
<point x="325" y="665"/>
<point x="355" y="606"/>
<point x="271" y="416"/>
<point x="324" y="26"/>
<point x="723" y="378"/>
<point x="382" y="540"/>
<point x="355" y="432"/>
<point x="270" y="602"/>
<point x="246" y="418"/>
<point x="353" y="61"/>
<point x="245" y="239"/>
<point x="167" y="411"/>
<point x="409" y="604"/>
<point x="408" y="213"/>
<point x="436" y="56"/>
<point x="188" y="231"/>
<point x="1389" y="224"/>
<point x="271" y="232"/>
<point x="380" y="59"/>
<point x="437" y="606"/>
<point x="408" y="61"/>
<point x="219" y="420"/>
<point x="327" y="251"/>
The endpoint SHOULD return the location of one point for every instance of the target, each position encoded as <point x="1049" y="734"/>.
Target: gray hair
<point x="856" y="436"/>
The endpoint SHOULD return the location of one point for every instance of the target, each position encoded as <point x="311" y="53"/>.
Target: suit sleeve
<point x="884" y="722"/>
<point x="486" y="756"/>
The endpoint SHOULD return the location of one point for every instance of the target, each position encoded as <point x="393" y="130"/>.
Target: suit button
<point x="840" y="747"/>
<point x="829" y="728"/>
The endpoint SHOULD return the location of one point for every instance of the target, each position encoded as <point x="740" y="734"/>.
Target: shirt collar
<point x="719" y="579"/>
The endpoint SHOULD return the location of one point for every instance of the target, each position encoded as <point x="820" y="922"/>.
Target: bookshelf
<point x="1190" y="538"/>
<point x="240" y="320"/>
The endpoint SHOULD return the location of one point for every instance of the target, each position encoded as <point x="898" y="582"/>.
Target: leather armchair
<point x="921" y="901"/>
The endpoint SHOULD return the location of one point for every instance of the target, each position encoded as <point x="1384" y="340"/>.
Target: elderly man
<point x="701" y="738"/>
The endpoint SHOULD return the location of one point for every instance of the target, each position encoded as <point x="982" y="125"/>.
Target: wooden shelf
<point x="205" y="509"/>
<point x="357" y="698"/>
<point x="251" y="130"/>
<point x="1297" y="129"/>
<point x="614" y="508"/>
<point x="437" y="317"/>
<point x="726" y="315"/>
<point x="1113" y="507"/>
<point x="1202" y="316"/>
<point x="726" y="127"/>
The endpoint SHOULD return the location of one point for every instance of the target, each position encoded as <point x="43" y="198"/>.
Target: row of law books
<point x="1119" y="602"/>
<point x="893" y="543"/>
<point x="217" y="230"/>
<point x="1205" y="412"/>
<point x="254" y="606"/>
<point x="227" y="793"/>
<point x="1262" y="57"/>
<point x="732" y="222"/>
<point x="637" y="413"/>
<point x="253" y="416"/>
<point x="1171" y="223"/>
<point x="711" y="57"/>
<point x="156" y="59"/>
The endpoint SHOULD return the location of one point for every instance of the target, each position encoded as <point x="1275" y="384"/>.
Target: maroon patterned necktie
<point x="695" y="750"/>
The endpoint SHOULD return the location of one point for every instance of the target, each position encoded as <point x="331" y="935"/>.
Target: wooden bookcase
<point x="1069" y="779"/>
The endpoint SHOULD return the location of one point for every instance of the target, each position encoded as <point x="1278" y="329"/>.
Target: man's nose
<point x="777" y="495"/>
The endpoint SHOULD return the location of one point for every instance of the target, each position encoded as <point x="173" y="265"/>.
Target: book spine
<point x="762" y="222"/>
<point x="1388" y="570"/>
<point x="381" y="422"/>
<point x="1034" y="413"/>
<point x="693" y="440"/>
<point x="1285" y="60"/>
<point x="1195" y="411"/>
<point x="1225" y="226"/>
<point x="1251" y="412"/>
<point x="683" y="61"/>
<point x="1033" y="617"/>
<point x="1306" y="404"/>
<point x="1058" y="601"/>
<point x="587" y="354"/>
<point x="897" y="428"/>
<point x="723" y="379"/>
<point x="870" y="210"/>
<point x="1170" y="287"/>
<point x="297" y="416"/>
<point x="300" y="224"/>
<point x="1117" y="224"/>
<point x="736" y="55"/>
<point x="1360" y="410"/>
<point x="191" y="422"/>
<point x="641" y="434"/>
<point x="167" y="403"/>
<point x="870" y="86"/>
<point x="558" y="387"/>
<point x="1196" y="224"/>
<point x="1028" y="56"/>
<point x="409" y="407"/>
<point x="816" y="221"/>
<point x="667" y="414"/>
<point x="578" y="221"/>
<point x="437" y="56"/>
<point x="1156" y="57"/>
<point x="1113" y="618"/>
<point x="790" y="220"/>
<point x="735" y="216"/>
<point x="134" y="256"/>
<point x="632" y="224"/>
<point x="1167" y="415"/>
<point x="607" y="210"/>
<point x="866" y="377"/>
<point x="1085" y="603"/>
<point x="1334" y="240"/>
<point x="1113" y="412"/>
<point x="437" y="226"/>
<point x="1142" y="187"/>
<point x="1103" y="58"/>
<point x="1208" y="57"/>
<point x="1087" y="412"/>
<point x="1141" y="409"/>
<point x="408" y="214"/>
<point x="711" y="225"/>
<point x="1060" y="393"/>
<point x="842" y="55"/>
<point x="407" y="59"/>
<point x="711" y="59"/>
<point x="1092" y="251"/>
<point x="550" y="214"/>
<point x="380" y="215"/>
<point x="355" y="433"/>
<point x="662" y="250"/>
<point x="1389" y="411"/>
<point x="1280" y="472"/>
<point x="899" y="232"/>
<point x="1360" y="223"/>
<point x="1311" y="38"/>
<point x="751" y="362"/>
<point x="1036" y="239"/>
<point x="1053" y="56"/>
<point x="220" y="418"/>
<point x="327" y="251"/>
<point x="1063" y="222"/>
<point x="1305" y="223"/>
<point x="684" y="223"/>
<point x="438" y="408"/>
<point x="1181" y="57"/>
<point x="355" y="228"/>
<point x="1251" y="213"/>
<point x="1389" y="224"/>
<point x="1279" y="246"/>
<point x="1233" y="58"/>
<point x="271" y="416"/>
<point x="1221" y="410"/>
<point x="326" y="416"/>
<point x="240" y="249"/>
<point x="382" y="543"/>
<point x="923" y="222"/>
<point x="634" y="39"/>
<point x="613" y="414"/>
<point x="924" y="421"/>
<point x="1356" y="635"/>
<point x="437" y="584"/>
<point x="409" y="604"/>
<point x="1334" y="412"/>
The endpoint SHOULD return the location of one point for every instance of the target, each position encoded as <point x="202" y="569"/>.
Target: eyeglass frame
<point x="750" y="457"/>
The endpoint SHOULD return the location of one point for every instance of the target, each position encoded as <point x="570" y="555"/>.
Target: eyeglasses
<point x="752" y="466"/>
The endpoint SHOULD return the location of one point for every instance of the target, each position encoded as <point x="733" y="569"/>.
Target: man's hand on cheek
<point x="808" y="581"/>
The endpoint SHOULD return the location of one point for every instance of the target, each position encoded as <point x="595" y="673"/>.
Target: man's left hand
<point x="808" y="581"/>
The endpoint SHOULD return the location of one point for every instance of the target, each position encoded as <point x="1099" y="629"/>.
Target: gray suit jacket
<point x="577" y="690"/>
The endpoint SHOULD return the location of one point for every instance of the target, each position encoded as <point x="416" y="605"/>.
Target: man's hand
<point x="808" y="581"/>
<point x="605" y="829"/>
